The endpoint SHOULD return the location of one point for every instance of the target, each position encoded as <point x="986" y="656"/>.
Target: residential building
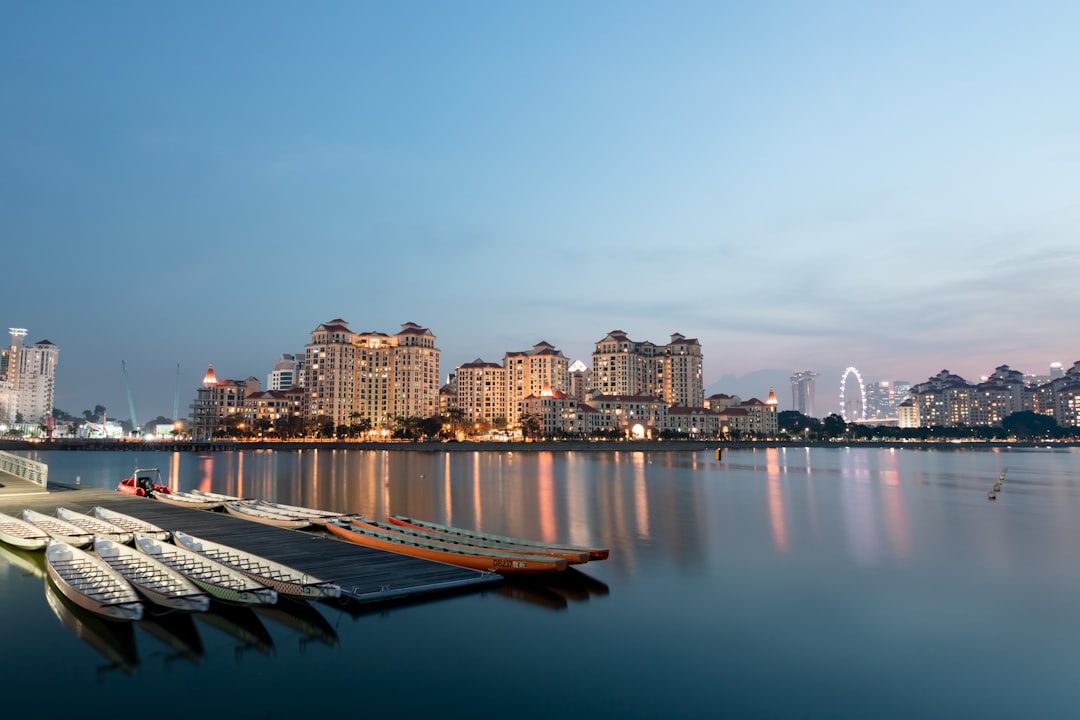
<point x="555" y="412"/>
<point x="219" y="402"/>
<point x="29" y="375"/>
<point x="370" y="375"/>
<point x="673" y="372"/>
<point x="529" y="372"/>
<point x="580" y="380"/>
<point x="481" y="393"/>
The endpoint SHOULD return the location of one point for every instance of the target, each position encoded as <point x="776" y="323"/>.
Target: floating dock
<point x="365" y="575"/>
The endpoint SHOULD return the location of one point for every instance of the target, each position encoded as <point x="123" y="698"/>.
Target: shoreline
<point x="518" y="446"/>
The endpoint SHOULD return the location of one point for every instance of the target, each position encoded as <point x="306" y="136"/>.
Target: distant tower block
<point x="802" y="392"/>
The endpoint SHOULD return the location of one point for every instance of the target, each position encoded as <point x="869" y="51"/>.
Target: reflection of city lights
<point x="777" y="521"/>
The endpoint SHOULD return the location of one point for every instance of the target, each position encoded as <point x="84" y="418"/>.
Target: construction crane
<point x="131" y="403"/>
<point x="176" y="396"/>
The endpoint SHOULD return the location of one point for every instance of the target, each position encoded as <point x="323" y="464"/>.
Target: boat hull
<point x="186" y="500"/>
<point x="90" y="583"/>
<point x="220" y="581"/>
<point x="594" y="553"/>
<point x="22" y="534"/>
<point x="152" y="579"/>
<point x="266" y="518"/>
<point x="572" y="557"/>
<point x="95" y="525"/>
<point x="502" y="563"/>
<point x="281" y="578"/>
<point x="59" y="529"/>
<point x="133" y="524"/>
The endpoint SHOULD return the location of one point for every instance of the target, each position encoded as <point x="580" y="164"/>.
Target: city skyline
<point x="796" y="186"/>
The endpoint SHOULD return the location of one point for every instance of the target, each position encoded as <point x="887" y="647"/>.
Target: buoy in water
<point x="718" y="452"/>
<point x="991" y="495"/>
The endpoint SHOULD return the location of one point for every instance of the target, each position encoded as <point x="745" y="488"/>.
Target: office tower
<point x="284" y="374"/>
<point x="802" y="392"/>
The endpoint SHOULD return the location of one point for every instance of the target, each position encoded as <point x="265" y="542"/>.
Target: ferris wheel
<point x="852" y="396"/>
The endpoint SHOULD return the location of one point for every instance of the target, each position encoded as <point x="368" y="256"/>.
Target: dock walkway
<point x="364" y="574"/>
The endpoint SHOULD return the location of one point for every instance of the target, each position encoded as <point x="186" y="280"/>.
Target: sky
<point x="799" y="186"/>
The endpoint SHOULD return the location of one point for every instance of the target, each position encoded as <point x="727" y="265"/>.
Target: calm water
<point x="832" y="583"/>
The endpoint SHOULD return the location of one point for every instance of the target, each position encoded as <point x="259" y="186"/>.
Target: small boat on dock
<point x="595" y="553"/>
<point x="22" y="534"/>
<point x="462" y="556"/>
<point x="220" y="496"/>
<point x="317" y="517"/>
<point x="59" y="529"/>
<point x="285" y="580"/>
<point x="221" y="581"/>
<point x="95" y="525"/>
<point x="90" y="583"/>
<point x="133" y="524"/>
<point x="266" y="516"/>
<point x="155" y="581"/>
<point x="190" y="500"/>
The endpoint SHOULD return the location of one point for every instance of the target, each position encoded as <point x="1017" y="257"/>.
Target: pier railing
<point x="35" y="472"/>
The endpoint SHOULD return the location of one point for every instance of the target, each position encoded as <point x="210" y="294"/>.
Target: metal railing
<point x="35" y="472"/>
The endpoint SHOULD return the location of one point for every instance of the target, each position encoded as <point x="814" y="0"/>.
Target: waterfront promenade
<point x="514" y="446"/>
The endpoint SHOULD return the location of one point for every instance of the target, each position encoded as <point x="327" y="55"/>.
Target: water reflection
<point x="554" y="591"/>
<point x="239" y="623"/>
<point x="303" y="618"/>
<point x="115" y="641"/>
<point x="687" y="505"/>
<point x="32" y="564"/>
<point x="178" y="633"/>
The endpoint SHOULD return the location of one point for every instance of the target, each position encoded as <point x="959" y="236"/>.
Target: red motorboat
<point x="143" y="482"/>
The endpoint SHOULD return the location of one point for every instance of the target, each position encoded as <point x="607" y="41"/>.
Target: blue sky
<point x="890" y="186"/>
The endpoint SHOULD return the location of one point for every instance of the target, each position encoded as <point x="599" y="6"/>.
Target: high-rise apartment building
<point x="580" y="380"/>
<point x="481" y="392"/>
<point x="802" y="392"/>
<point x="372" y="375"/>
<point x="673" y="372"/>
<point x="529" y="372"/>
<point x="28" y="375"/>
<point x="218" y="402"/>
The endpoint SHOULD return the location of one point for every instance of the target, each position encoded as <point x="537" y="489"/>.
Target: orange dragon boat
<point x="572" y="557"/>
<point x="473" y="536"/>
<point x="476" y="558"/>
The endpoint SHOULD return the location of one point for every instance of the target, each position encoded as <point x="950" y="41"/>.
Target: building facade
<point x="27" y="380"/>
<point x="802" y="392"/>
<point x="370" y="376"/>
